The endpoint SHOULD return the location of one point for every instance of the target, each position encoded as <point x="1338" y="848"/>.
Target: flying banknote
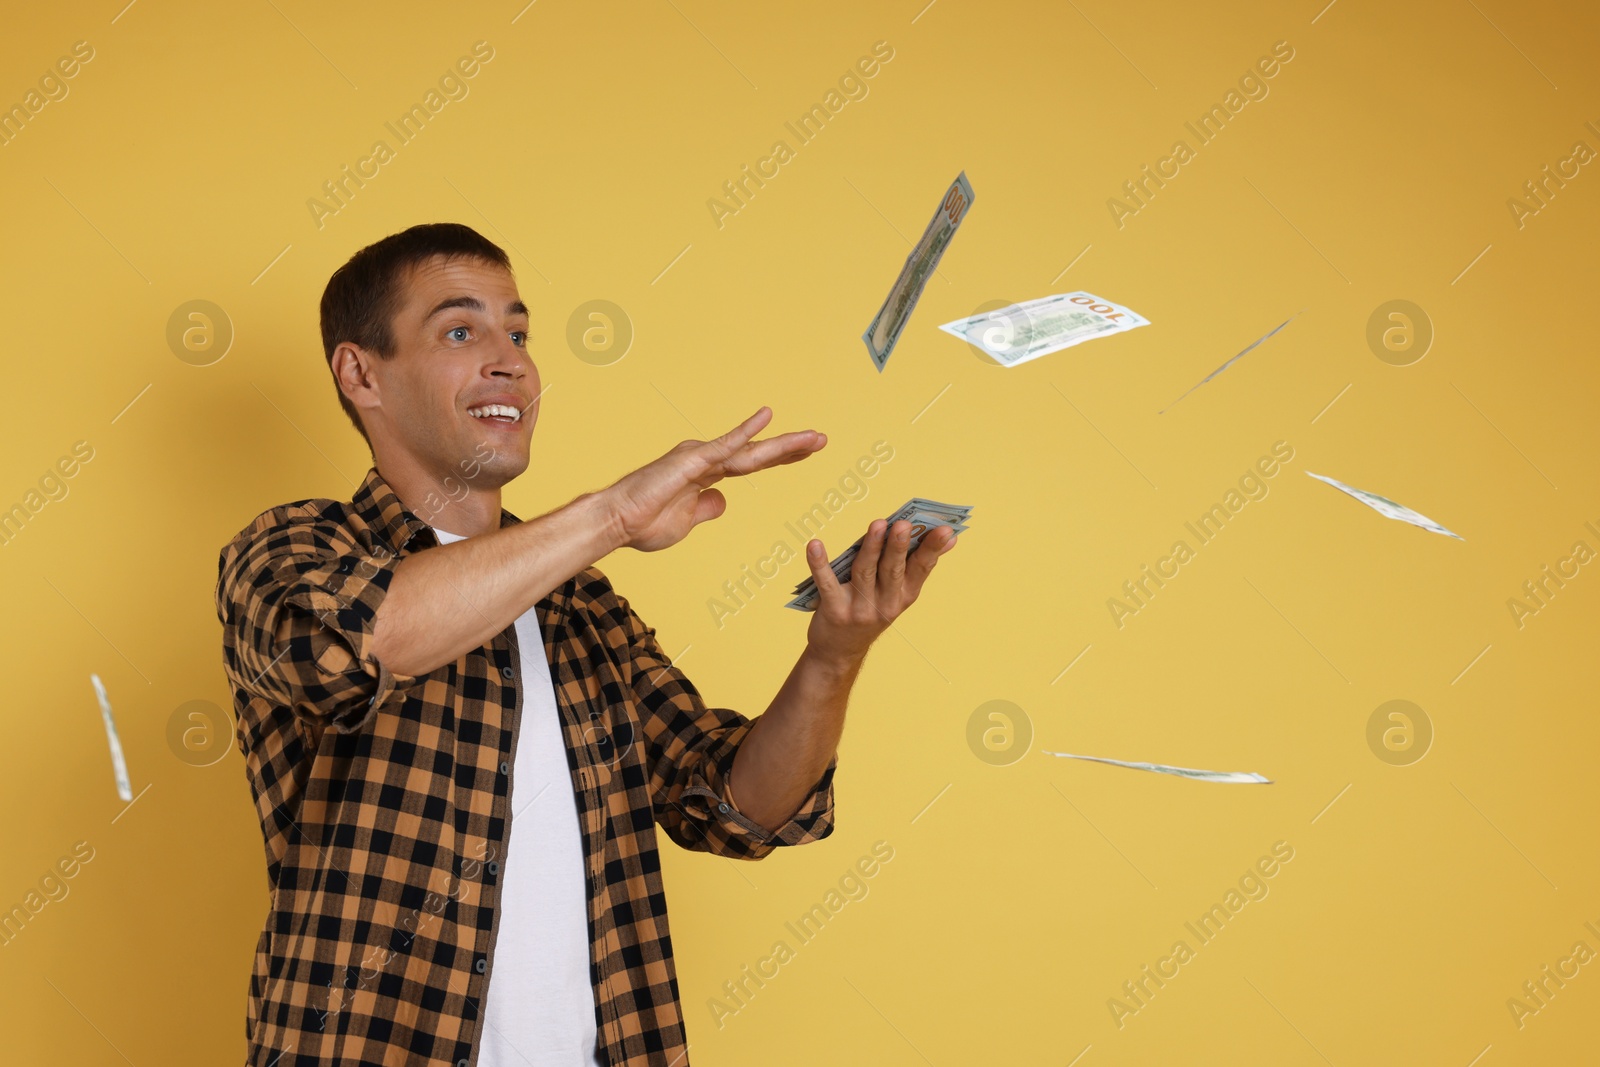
<point x="890" y="320"/>
<point x="1388" y="508"/>
<point x="1034" y="328"/>
<point x="1236" y="777"/>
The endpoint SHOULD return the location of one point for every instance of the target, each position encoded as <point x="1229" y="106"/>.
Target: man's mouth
<point x="504" y="414"/>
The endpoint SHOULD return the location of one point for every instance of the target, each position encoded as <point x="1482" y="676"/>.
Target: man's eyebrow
<point x="472" y="303"/>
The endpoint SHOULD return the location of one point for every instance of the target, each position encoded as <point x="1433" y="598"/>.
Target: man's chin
<point x="482" y="460"/>
<point x="507" y="464"/>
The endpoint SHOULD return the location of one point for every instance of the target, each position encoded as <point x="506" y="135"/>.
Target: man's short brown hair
<point x="363" y="296"/>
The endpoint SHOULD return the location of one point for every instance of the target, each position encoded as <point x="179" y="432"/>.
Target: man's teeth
<point x="514" y="414"/>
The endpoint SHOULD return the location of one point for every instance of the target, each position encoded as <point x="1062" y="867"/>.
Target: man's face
<point x="461" y="347"/>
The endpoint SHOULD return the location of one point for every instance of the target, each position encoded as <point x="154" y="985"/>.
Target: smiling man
<point x="460" y="739"/>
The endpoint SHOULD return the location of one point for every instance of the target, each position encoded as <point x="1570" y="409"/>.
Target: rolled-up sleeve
<point x="689" y="750"/>
<point x="297" y="601"/>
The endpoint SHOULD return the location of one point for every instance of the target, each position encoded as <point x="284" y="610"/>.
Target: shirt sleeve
<point x="689" y="750"/>
<point x="297" y="601"/>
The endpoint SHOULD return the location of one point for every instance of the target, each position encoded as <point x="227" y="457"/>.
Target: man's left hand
<point x="883" y="583"/>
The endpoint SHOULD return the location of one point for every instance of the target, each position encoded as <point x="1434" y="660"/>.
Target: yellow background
<point x="1378" y="168"/>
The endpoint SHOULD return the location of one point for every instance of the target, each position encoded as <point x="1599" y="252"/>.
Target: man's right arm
<point x="447" y="601"/>
<point x="314" y="621"/>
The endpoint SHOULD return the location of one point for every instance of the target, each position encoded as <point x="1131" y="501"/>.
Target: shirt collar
<point x="398" y="529"/>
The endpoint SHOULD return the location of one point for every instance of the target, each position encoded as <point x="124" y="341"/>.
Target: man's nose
<point x="510" y="361"/>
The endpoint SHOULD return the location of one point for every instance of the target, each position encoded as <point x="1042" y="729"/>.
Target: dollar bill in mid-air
<point x="924" y="515"/>
<point x="1035" y="328"/>
<point x="1243" y="352"/>
<point x="1388" y="508"/>
<point x="1236" y="777"/>
<point x="119" y="764"/>
<point x="890" y="320"/>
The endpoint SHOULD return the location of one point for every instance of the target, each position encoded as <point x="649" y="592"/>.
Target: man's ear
<point x="352" y="368"/>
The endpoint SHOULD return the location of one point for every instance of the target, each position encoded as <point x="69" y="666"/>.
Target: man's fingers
<point x="709" y="456"/>
<point x="892" y="571"/>
<point x="774" y="451"/>
<point x="822" y="574"/>
<point x="935" y="544"/>
<point x="864" y="571"/>
<point x="710" y="504"/>
<point x="735" y="452"/>
<point x="740" y="435"/>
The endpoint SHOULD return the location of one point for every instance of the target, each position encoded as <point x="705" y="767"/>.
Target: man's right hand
<point x="657" y="505"/>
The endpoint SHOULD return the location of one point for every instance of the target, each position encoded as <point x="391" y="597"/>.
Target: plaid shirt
<point x="384" y="798"/>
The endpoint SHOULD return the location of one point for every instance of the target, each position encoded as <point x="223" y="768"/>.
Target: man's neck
<point x="437" y="499"/>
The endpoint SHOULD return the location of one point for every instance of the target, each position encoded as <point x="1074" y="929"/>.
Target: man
<point x="460" y="739"/>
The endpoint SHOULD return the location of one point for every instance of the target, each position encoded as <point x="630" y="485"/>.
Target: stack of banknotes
<point x="924" y="515"/>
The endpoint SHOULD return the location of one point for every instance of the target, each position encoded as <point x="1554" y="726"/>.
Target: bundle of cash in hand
<point x="924" y="515"/>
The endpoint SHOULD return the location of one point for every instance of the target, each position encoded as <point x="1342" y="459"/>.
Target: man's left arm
<point x="784" y="760"/>
<point x="797" y="738"/>
<point x="688" y="750"/>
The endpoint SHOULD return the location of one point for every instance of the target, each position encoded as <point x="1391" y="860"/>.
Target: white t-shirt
<point x="539" y="1010"/>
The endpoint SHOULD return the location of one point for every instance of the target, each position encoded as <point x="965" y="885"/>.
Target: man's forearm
<point x="449" y="600"/>
<point x="784" y="755"/>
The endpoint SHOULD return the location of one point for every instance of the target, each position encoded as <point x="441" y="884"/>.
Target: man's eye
<point x="523" y="334"/>
<point x="458" y="329"/>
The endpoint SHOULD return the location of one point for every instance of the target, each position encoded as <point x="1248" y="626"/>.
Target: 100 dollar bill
<point x="891" y="318"/>
<point x="1035" y="328"/>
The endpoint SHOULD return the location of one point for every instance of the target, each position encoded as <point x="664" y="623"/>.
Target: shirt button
<point x="482" y="965"/>
<point x="461" y="1063"/>
<point x="505" y="768"/>
<point x="494" y="868"/>
<point x="505" y="672"/>
<point x="722" y="807"/>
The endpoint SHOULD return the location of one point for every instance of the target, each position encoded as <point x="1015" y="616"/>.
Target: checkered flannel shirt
<point x="383" y="798"/>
